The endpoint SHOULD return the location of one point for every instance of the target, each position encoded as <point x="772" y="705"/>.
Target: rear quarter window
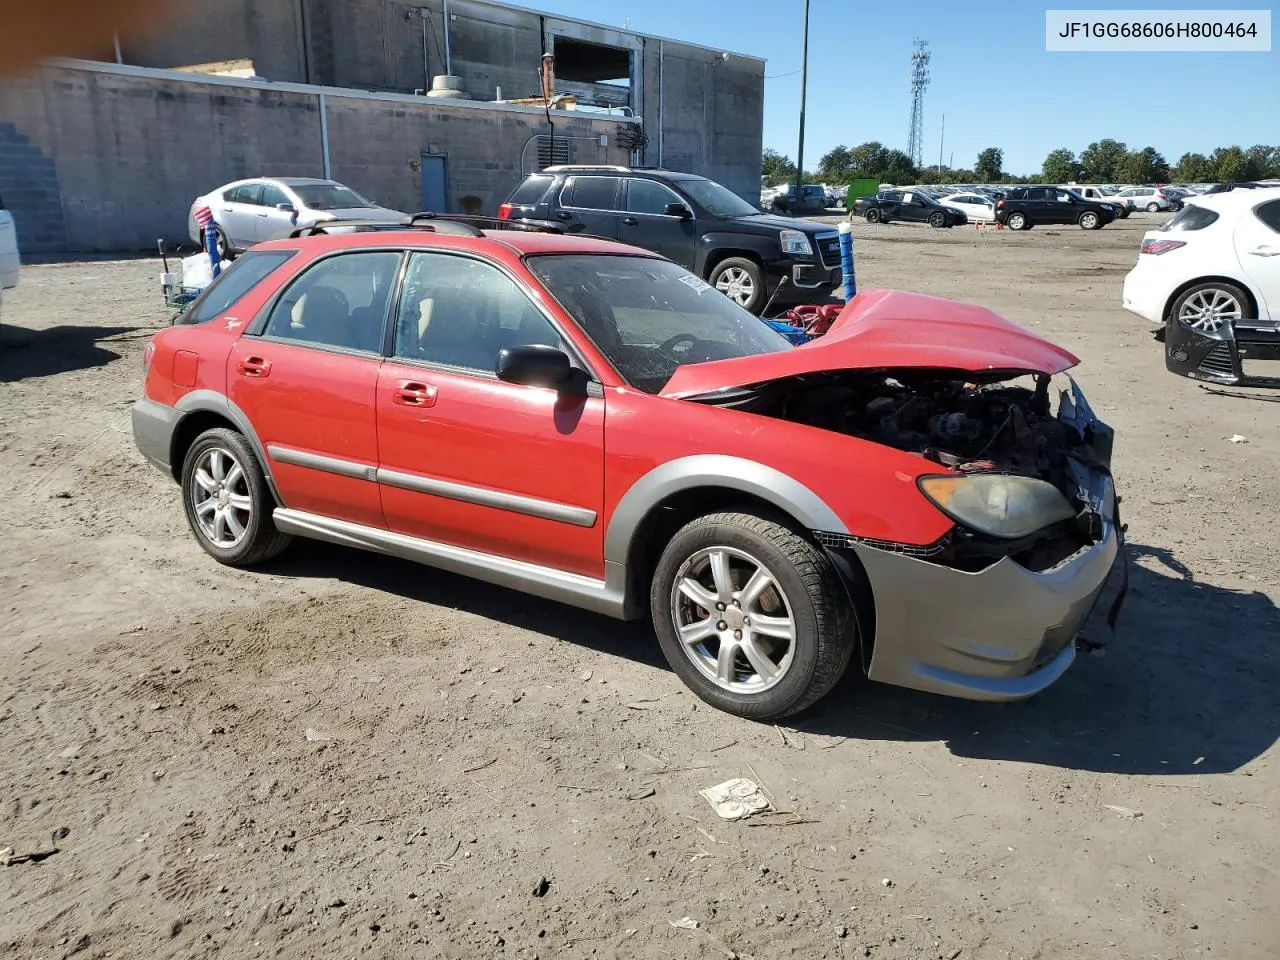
<point x="1268" y="213"/>
<point x="532" y="190"/>
<point x="1190" y="218"/>
<point x="234" y="282"/>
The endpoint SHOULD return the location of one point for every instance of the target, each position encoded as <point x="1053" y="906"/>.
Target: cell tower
<point x="919" y="80"/>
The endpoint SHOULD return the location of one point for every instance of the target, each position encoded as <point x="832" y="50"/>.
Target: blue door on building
<point x="435" y="184"/>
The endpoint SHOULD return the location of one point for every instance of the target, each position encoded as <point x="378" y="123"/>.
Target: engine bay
<point x="1027" y="425"/>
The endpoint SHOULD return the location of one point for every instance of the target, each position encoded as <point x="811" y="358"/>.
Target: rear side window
<point x="1268" y="213"/>
<point x="591" y="193"/>
<point x="234" y="282"/>
<point x="340" y="302"/>
<point x="1190" y="218"/>
<point x="250" y="193"/>
<point x="532" y="190"/>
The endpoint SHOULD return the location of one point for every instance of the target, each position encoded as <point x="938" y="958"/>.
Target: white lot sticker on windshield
<point x="700" y="286"/>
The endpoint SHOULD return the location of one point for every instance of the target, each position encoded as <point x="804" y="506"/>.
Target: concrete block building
<point x="415" y="104"/>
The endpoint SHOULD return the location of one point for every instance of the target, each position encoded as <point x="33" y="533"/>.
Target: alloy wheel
<point x="1209" y="309"/>
<point x="736" y="284"/>
<point x="221" y="498"/>
<point x="733" y="619"/>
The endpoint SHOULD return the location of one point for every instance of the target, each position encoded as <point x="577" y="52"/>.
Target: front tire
<point x="227" y="501"/>
<point x="873" y="216"/>
<point x="751" y="615"/>
<point x="742" y="281"/>
<point x="1017" y="221"/>
<point x="1089" y="221"/>
<point x="937" y="220"/>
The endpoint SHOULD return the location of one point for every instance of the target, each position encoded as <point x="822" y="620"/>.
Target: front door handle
<point x="258" y="367"/>
<point x="1265" y="252"/>
<point x="412" y="393"/>
<point x="630" y="221"/>
<point x="565" y="215"/>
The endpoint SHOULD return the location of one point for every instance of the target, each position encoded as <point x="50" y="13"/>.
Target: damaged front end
<point x="1034" y="563"/>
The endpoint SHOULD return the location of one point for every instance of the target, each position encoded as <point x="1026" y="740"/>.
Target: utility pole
<point x="804" y="82"/>
<point x="941" y="140"/>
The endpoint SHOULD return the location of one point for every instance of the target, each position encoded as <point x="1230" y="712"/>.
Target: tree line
<point x="1103" y="161"/>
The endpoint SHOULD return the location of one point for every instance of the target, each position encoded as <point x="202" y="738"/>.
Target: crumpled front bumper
<point x="1219" y="356"/>
<point x="1004" y="633"/>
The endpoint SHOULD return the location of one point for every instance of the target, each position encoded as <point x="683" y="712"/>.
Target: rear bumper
<point x="1142" y="297"/>
<point x="1219" y="356"/>
<point x="1005" y="633"/>
<point x="153" y="427"/>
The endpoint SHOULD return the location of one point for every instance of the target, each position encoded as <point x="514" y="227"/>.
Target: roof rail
<point x="362" y="226"/>
<point x="560" y="168"/>
<point x="496" y="223"/>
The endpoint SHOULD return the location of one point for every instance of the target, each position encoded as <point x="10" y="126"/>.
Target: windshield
<point x="649" y="317"/>
<point x="329" y="196"/>
<point x="717" y="200"/>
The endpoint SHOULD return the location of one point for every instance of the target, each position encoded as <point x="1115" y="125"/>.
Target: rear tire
<point x="1153" y="208"/>
<point x="755" y="568"/>
<point x="227" y="500"/>
<point x="873" y="216"/>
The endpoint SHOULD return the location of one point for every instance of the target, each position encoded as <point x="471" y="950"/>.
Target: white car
<point x="1218" y="260"/>
<point x="977" y="207"/>
<point x="254" y="211"/>
<point x="1150" y="199"/>
<point x="8" y="251"/>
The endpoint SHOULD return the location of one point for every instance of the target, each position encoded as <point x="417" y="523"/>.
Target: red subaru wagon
<point x="920" y="488"/>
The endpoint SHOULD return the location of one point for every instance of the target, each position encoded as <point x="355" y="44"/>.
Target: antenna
<point x="919" y="80"/>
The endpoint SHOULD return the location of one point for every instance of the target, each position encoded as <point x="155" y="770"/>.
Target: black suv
<point x="753" y="258"/>
<point x="1024" y="207"/>
<point x="906" y="205"/>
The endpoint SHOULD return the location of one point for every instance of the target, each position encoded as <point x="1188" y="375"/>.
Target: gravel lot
<point x="343" y="755"/>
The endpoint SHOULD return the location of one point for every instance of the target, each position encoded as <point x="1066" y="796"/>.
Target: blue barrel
<point x="211" y="245"/>
<point x="847" y="277"/>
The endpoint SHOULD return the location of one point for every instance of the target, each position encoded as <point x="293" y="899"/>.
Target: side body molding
<point x="713" y="470"/>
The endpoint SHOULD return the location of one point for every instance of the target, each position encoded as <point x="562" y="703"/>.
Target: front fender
<point x="713" y="470"/>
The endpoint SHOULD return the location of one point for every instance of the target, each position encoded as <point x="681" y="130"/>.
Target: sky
<point x="990" y="77"/>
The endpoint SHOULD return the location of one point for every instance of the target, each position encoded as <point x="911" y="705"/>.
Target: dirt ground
<point x="343" y="755"/>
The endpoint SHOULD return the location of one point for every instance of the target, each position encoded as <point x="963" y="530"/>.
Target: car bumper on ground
<point x="153" y="427"/>
<point x="1219" y="356"/>
<point x="1004" y="633"/>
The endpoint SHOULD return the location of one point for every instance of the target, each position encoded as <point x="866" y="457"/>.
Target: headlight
<point x="998" y="505"/>
<point x="795" y="242"/>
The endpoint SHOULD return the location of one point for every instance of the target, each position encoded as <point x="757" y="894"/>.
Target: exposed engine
<point x="957" y="424"/>
<point x="963" y="426"/>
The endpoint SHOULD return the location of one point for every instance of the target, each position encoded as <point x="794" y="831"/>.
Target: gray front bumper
<point x="153" y="426"/>
<point x="1005" y="633"/>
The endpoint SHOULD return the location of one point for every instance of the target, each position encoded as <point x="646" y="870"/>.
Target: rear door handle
<point x="630" y="221"/>
<point x="258" y="367"/>
<point x="1265" y="252"/>
<point x="413" y="393"/>
<point x="565" y="215"/>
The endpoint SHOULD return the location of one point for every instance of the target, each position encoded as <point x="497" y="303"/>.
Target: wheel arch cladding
<point x="205" y="410"/>
<point x="715" y="248"/>
<point x="687" y="487"/>
<point x="1184" y="287"/>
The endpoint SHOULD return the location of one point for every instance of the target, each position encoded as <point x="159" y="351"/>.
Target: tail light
<point x="1157" y="247"/>
<point x="504" y="211"/>
<point x="148" y="354"/>
<point x="999" y="204"/>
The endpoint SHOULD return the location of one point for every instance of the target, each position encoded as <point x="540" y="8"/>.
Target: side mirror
<point x="286" y="208"/>
<point x="534" y="365"/>
<point x="679" y="210"/>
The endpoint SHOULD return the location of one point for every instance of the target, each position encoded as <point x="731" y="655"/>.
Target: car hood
<point x="771" y="224"/>
<point x="882" y="329"/>
<point x="355" y="213"/>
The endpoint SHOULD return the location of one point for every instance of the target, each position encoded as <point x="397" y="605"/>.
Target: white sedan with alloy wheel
<point x="976" y="207"/>
<point x="1217" y="260"/>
